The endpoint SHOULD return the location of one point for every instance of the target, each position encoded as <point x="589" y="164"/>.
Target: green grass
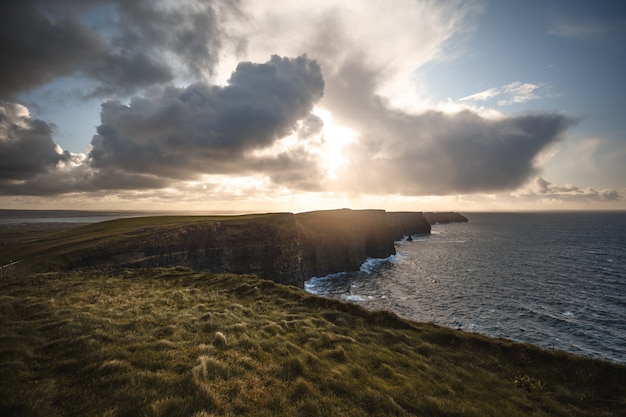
<point x="173" y="342"/>
<point x="47" y="247"/>
<point x="15" y="234"/>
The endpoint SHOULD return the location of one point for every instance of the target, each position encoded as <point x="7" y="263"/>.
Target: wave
<point x="371" y="265"/>
<point x="320" y="285"/>
<point x="336" y="284"/>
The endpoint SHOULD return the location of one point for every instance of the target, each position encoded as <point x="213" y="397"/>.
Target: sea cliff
<point x="445" y="217"/>
<point x="284" y="247"/>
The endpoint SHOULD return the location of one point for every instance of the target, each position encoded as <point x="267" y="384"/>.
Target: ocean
<point x="556" y="280"/>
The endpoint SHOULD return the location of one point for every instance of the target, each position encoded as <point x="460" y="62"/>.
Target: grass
<point x="174" y="342"/>
<point x="55" y="246"/>
<point x="13" y="234"/>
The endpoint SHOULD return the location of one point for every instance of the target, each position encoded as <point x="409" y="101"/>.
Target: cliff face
<point x="283" y="247"/>
<point x="448" y="217"/>
<point x="267" y="246"/>
<point x="341" y="240"/>
<point x="407" y="223"/>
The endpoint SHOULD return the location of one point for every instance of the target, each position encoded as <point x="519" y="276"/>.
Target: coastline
<point x="178" y="341"/>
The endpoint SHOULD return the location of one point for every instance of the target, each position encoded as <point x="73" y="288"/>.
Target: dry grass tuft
<point x="220" y="340"/>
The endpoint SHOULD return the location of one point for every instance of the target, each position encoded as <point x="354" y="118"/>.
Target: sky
<point x="284" y="105"/>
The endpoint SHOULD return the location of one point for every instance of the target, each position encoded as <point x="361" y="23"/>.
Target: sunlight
<point x="336" y="137"/>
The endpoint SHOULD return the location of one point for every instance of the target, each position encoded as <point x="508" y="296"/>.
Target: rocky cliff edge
<point x="284" y="247"/>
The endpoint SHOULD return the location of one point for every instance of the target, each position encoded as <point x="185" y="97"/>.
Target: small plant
<point x="220" y="340"/>
<point x="338" y="354"/>
<point x="529" y="383"/>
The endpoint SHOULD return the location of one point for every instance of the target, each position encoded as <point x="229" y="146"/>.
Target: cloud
<point x="582" y="30"/>
<point x="258" y="122"/>
<point x="393" y="38"/>
<point x="175" y="134"/>
<point x="38" y="47"/>
<point x="600" y="26"/>
<point x="513" y="93"/>
<point x="589" y="29"/>
<point x="26" y="145"/>
<point x="436" y="153"/>
<point x="399" y="151"/>
<point x="483" y="95"/>
<point x="544" y="188"/>
<point x="204" y="129"/>
<point x="138" y="45"/>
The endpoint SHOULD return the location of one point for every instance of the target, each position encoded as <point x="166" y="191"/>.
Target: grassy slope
<point x="44" y="251"/>
<point x="180" y="343"/>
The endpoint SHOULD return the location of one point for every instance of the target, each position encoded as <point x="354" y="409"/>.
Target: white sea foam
<point x="372" y="264"/>
<point x="316" y="285"/>
<point x="355" y="298"/>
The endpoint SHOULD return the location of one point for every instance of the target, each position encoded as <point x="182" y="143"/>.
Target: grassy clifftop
<point x="283" y="247"/>
<point x="56" y="250"/>
<point x="173" y="342"/>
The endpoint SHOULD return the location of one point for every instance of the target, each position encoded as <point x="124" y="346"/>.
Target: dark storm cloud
<point x="79" y="179"/>
<point x="434" y="152"/>
<point x="37" y="46"/>
<point x="26" y="145"/>
<point x="177" y="133"/>
<point x="138" y="44"/>
<point x="192" y="31"/>
<point x="438" y="153"/>
<point x="182" y="132"/>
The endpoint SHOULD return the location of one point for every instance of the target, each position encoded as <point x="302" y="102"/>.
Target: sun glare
<point x="336" y="137"/>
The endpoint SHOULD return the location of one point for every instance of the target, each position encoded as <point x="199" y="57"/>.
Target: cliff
<point x="284" y="247"/>
<point x="407" y="223"/>
<point x="341" y="240"/>
<point x="268" y="246"/>
<point x="447" y="217"/>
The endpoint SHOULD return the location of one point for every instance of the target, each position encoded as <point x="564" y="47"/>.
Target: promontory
<point x="284" y="247"/>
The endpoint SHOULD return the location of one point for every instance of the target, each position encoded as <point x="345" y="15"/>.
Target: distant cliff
<point x="284" y="247"/>
<point x="341" y="240"/>
<point x="447" y="217"/>
<point x="407" y="223"/>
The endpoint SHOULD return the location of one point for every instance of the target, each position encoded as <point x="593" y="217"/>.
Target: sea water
<point x="557" y="280"/>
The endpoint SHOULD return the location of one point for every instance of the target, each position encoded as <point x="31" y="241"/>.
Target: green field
<point x="174" y="342"/>
<point x="46" y="246"/>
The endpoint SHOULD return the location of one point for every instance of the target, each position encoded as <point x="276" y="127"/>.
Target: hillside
<point x="174" y="342"/>
<point x="284" y="247"/>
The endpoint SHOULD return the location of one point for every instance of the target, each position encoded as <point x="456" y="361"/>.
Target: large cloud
<point x="26" y="145"/>
<point x="369" y="58"/>
<point x="179" y="134"/>
<point x="431" y="152"/>
<point x="203" y="129"/>
<point x="137" y="45"/>
<point x="437" y="153"/>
